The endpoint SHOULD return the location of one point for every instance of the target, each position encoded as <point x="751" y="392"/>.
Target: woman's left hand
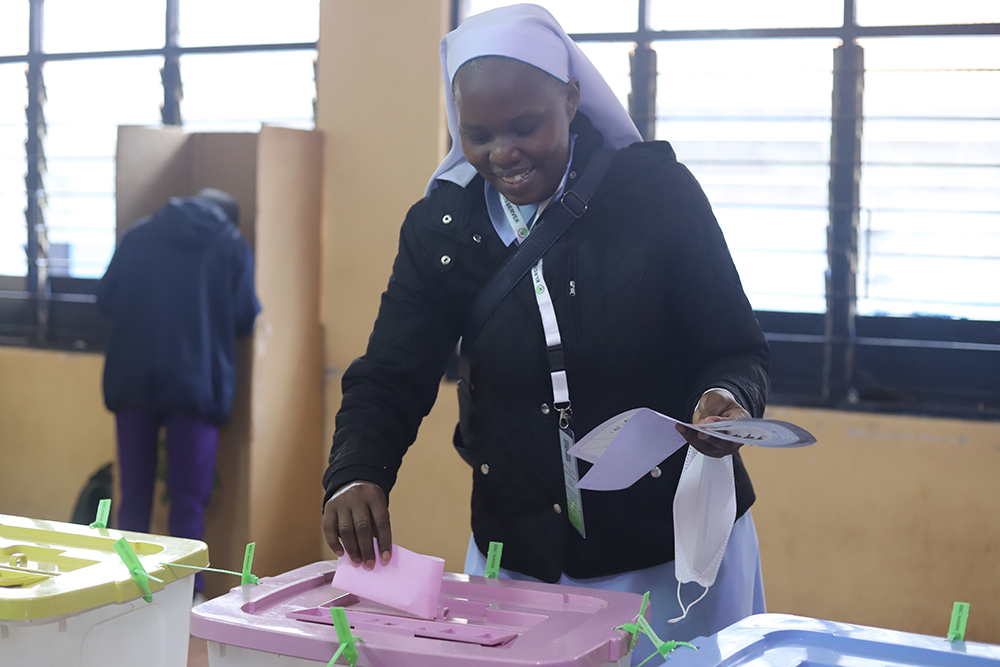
<point x="715" y="405"/>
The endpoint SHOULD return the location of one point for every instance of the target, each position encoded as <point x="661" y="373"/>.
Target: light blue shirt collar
<point x="497" y="216"/>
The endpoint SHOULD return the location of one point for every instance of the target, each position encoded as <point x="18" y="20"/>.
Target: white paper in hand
<point x="629" y="445"/>
<point x="592" y="445"/>
<point x="410" y="582"/>
<point x="759" y="432"/>
<point x="635" y="448"/>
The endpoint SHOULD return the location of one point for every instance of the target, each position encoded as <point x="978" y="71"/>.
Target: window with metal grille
<point x="70" y="73"/>
<point x="851" y="150"/>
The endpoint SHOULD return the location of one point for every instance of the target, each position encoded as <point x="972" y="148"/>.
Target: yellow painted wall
<point x="54" y="430"/>
<point x="380" y="103"/>
<point x="885" y="521"/>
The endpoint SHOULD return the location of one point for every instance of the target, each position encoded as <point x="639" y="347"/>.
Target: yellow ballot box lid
<point x="49" y="568"/>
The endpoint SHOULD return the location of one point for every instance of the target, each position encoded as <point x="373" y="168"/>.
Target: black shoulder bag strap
<point x="573" y="205"/>
<point x="550" y="227"/>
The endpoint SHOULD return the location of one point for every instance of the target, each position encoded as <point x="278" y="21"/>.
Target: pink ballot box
<point x="285" y="621"/>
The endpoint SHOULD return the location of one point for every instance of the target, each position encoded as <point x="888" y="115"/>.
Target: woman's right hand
<point x="355" y="515"/>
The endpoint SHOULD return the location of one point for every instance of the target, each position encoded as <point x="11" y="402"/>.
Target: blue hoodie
<point x="179" y="290"/>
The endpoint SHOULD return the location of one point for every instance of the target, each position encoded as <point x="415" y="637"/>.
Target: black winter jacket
<point x="651" y="313"/>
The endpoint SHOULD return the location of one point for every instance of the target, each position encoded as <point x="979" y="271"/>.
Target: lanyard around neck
<point x="518" y="224"/>
<point x="550" y="325"/>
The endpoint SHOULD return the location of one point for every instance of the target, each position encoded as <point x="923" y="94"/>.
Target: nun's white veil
<point x="530" y="34"/>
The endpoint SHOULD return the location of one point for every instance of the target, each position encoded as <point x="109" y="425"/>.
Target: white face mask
<point x="704" y="512"/>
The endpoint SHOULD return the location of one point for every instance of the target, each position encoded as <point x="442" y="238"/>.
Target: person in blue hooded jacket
<point x="179" y="290"/>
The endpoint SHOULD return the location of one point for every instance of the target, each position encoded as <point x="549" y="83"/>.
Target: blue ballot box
<point x="779" y="640"/>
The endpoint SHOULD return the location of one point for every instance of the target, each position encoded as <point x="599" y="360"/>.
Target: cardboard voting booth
<point x="272" y="440"/>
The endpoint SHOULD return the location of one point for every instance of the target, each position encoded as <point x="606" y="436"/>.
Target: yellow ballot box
<point x="74" y="596"/>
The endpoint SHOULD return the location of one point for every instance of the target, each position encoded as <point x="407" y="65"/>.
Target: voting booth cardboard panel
<point x="265" y="489"/>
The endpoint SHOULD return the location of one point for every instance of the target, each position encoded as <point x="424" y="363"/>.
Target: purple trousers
<point x="191" y="445"/>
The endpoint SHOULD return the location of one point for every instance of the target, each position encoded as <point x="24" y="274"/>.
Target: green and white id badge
<point x="574" y="503"/>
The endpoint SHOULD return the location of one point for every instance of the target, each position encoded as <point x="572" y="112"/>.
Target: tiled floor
<point x="197" y="653"/>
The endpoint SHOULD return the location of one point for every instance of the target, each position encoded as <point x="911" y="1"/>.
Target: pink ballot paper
<point x="409" y="582"/>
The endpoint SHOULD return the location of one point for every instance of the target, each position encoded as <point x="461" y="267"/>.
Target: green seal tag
<point x="959" y="617"/>
<point x="248" y="578"/>
<point x="492" y="570"/>
<point x="103" y="510"/>
<point x="135" y="568"/>
<point x="344" y="638"/>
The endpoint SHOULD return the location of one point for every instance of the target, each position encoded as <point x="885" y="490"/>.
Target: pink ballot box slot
<point x="477" y="622"/>
<point x="413" y="627"/>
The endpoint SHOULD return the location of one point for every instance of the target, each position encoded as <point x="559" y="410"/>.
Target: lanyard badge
<point x="574" y="503"/>
<point x="560" y="387"/>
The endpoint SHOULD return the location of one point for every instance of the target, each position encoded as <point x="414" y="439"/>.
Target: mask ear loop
<point x="681" y="604"/>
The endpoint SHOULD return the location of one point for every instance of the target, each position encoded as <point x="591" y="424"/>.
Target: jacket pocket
<point x="464" y="438"/>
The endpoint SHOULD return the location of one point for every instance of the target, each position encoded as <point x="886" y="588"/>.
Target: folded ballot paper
<point x="410" y="582"/>
<point x="629" y="445"/>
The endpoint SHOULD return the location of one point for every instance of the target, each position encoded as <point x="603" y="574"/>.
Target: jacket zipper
<point x="573" y="309"/>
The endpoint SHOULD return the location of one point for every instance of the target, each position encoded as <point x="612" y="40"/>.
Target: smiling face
<point x="513" y="124"/>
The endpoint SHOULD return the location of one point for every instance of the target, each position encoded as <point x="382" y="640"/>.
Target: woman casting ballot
<point x="639" y="297"/>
